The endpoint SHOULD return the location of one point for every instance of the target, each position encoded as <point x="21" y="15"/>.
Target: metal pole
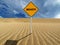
<point x="30" y="24"/>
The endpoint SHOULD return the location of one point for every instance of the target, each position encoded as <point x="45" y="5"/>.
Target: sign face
<point x="31" y="9"/>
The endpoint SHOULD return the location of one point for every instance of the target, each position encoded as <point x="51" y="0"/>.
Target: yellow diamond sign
<point x="31" y="9"/>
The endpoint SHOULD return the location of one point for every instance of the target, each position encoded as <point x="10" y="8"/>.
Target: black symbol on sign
<point x="29" y="9"/>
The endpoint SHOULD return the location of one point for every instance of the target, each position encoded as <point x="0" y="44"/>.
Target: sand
<point x="44" y="31"/>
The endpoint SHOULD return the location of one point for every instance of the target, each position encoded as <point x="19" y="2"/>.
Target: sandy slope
<point x="44" y="31"/>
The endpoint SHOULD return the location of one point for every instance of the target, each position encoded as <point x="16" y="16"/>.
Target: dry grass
<point x="44" y="31"/>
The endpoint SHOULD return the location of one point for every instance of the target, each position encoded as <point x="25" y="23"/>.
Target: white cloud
<point x="52" y="2"/>
<point x="57" y="1"/>
<point x="23" y="3"/>
<point x="15" y="12"/>
<point x="1" y="17"/>
<point x="57" y="16"/>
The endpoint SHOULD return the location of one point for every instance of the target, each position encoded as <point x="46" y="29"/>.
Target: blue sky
<point x="14" y="8"/>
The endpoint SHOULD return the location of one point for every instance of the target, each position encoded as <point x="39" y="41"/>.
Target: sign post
<point x="31" y="9"/>
<point x="31" y="24"/>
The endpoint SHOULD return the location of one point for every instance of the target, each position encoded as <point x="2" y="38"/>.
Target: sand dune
<point x="44" y="31"/>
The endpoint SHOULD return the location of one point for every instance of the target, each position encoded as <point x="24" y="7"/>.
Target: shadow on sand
<point x="14" y="42"/>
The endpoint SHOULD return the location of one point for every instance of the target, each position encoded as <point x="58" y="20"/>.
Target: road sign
<point x="31" y="9"/>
